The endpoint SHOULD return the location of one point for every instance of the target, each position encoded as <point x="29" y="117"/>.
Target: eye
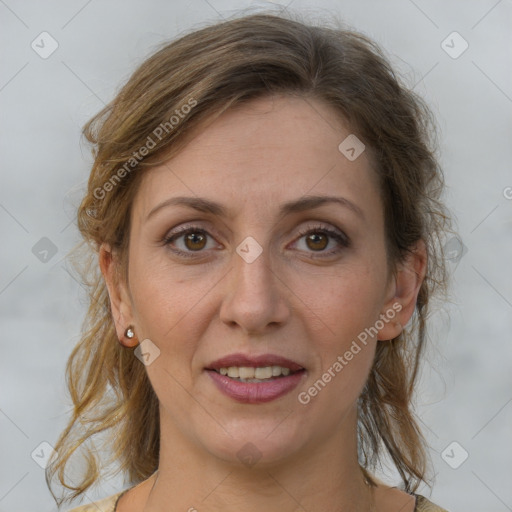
<point x="192" y="238"/>
<point x="318" y="238"/>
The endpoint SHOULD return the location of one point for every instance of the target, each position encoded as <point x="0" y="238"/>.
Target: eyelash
<point x="340" y="237"/>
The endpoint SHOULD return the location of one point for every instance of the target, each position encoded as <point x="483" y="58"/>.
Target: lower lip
<point x="256" y="392"/>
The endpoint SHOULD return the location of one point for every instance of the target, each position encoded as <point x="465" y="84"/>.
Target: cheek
<point x="345" y="349"/>
<point x="164" y="292"/>
<point x="168" y="308"/>
<point x="344" y="302"/>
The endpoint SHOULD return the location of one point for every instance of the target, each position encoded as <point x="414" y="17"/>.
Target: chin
<point x="265" y="445"/>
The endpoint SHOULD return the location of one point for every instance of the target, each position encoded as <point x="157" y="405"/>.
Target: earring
<point x="129" y="334"/>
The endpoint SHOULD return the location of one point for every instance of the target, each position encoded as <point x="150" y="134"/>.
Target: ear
<point x="404" y="288"/>
<point x="120" y="302"/>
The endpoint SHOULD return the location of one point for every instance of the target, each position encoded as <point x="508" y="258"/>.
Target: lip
<point x="254" y="361"/>
<point x="255" y="392"/>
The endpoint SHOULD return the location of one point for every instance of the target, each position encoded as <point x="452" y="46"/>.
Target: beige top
<point x="109" y="504"/>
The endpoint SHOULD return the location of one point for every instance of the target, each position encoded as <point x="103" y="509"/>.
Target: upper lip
<point x="254" y="362"/>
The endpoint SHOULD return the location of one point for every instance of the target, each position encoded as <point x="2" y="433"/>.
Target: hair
<point x="185" y="84"/>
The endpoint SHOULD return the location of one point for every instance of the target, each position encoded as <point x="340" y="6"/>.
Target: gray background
<point x="465" y="394"/>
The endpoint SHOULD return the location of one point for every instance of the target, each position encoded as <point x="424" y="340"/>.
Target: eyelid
<point x="313" y="226"/>
<point x="327" y="228"/>
<point x="179" y="232"/>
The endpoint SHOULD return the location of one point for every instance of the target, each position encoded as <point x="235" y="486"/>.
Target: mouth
<point x="255" y="374"/>
<point x="255" y="379"/>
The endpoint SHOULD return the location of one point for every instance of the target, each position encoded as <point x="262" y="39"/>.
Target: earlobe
<point x="406" y="286"/>
<point x="119" y="298"/>
<point x="129" y="339"/>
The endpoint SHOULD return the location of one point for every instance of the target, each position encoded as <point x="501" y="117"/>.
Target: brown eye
<point x="189" y="240"/>
<point x="317" y="241"/>
<point x="323" y="241"/>
<point x="195" y="241"/>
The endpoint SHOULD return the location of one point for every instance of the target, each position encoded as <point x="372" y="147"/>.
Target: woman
<point x="265" y="208"/>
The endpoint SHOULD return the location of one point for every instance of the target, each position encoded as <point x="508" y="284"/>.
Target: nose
<point x="255" y="296"/>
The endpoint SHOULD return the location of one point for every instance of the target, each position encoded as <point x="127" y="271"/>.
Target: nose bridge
<point x="252" y="274"/>
<point x="254" y="296"/>
<point x="253" y="268"/>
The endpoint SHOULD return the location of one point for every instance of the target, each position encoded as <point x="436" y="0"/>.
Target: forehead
<point x="268" y="151"/>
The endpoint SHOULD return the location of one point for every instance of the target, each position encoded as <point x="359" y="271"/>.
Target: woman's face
<point x="245" y="269"/>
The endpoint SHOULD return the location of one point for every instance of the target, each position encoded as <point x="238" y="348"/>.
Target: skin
<point x="290" y="301"/>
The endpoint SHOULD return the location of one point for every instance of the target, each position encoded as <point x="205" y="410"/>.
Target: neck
<point x="326" y="476"/>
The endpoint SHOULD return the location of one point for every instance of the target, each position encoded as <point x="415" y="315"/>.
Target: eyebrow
<point x="304" y="203"/>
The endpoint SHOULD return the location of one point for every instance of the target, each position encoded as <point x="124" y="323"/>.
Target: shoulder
<point x="424" y="505"/>
<point x="105" y="505"/>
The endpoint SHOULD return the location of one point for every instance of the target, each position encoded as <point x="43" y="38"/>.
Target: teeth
<point x="246" y="373"/>
<point x="233" y="371"/>
<point x="276" y="370"/>
<point x="263" y="373"/>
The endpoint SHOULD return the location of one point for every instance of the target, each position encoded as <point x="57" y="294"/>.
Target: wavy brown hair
<point x="210" y="70"/>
